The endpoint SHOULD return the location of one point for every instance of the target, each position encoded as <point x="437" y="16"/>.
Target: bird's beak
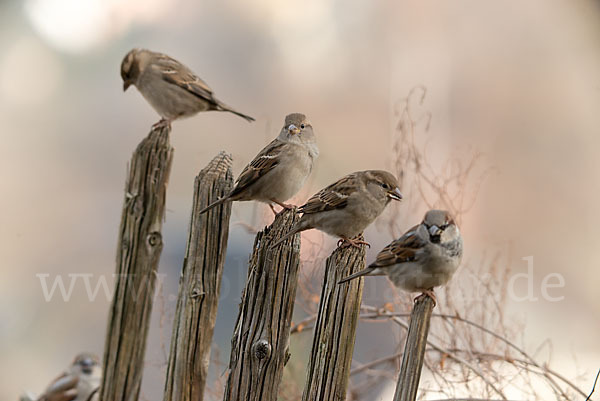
<point x="126" y="85"/>
<point x="435" y="231"/>
<point x="293" y="130"/>
<point x="395" y="194"/>
<point x="86" y="365"/>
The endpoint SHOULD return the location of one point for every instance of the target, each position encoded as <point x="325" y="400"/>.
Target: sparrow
<point x="80" y="382"/>
<point x="426" y="256"/>
<point x="345" y="208"/>
<point x="279" y="170"/>
<point x="170" y="87"/>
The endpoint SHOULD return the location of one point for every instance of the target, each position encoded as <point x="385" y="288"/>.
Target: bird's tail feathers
<point x="244" y="116"/>
<point x="363" y="272"/>
<point x="223" y="107"/>
<point x="215" y="203"/>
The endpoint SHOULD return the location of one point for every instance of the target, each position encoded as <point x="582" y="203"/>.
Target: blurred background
<point x="516" y="82"/>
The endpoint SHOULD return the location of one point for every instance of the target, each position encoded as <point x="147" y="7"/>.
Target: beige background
<point x="517" y="81"/>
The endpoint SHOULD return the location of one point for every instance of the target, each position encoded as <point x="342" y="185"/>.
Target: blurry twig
<point x="594" y="387"/>
<point x="472" y="351"/>
<point x="376" y="362"/>
<point x="447" y="183"/>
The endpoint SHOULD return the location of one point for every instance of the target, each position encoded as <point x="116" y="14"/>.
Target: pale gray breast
<point x="409" y="276"/>
<point x="357" y="215"/>
<point x="455" y="248"/>
<point x="440" y="261"/>
<point x="169" y="100"/>
<point x="88" y="384"/>
<point x="293" y="170"/>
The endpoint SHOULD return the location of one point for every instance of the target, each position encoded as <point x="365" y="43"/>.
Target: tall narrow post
<point x="260" y="343"/>
<point x="414" y="350"/>
<point x="139" y="248"/>
<point x="200" y="284"/>
<point x="335" y="327"/>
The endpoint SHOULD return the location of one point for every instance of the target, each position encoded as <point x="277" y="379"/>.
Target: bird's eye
<point x="385" y="186"/>
<point x="302" y="126"/>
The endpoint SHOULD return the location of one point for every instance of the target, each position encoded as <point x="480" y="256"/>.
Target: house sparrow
<point x="171" y="88"/>
<point x="426" y="256"/>
<point x="345" y="208"/>
<point x="80" y="382"/>
<point x="278" y="172"/>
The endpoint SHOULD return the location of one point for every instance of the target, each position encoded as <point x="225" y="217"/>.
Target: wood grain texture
<point x="200" y="284"/>
<point x="138" y="252"/>
<point x="260" y="343"/>
<point x="414" y="350"/>
<point x="335" y="327"/>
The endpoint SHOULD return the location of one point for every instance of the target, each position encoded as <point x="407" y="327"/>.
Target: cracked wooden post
<point x="200" y="284"/>
<point x="414" y="350"/>
<point x="335" y="327"/>
<point x="260" y="343"/>
<point x="139" y="248"/>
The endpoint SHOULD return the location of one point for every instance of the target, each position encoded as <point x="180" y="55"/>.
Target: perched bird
<point x="345" y="208"/>
<point x="80" y="382"/>
<point x="426" y="256"/>
<point x="171" y="88"/>
<point x="278" y="172"/>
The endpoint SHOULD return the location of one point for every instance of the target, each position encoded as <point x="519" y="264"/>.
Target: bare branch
<point x="594" y="387"/>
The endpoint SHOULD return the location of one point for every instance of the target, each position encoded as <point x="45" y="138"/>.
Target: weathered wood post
<point x="259" y="347"/>
<point x="335" y="327"/>
<point x="139" y="248"/>
<point x="414" y="350"/>
<point x="200" y="284"/>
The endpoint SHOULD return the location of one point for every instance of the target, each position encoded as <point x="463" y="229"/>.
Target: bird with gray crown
<point x="426" y="256"/>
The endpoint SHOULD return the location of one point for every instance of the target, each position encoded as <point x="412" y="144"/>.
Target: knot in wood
<point x="154" y="239"/>
<point x="261" y="349"/>
<point x="195" y="293"/>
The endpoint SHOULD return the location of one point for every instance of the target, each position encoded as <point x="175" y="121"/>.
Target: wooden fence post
<point x="139" y="248"/>
<point x="335" y="327"/>
<point x="414" y="350"/>
<point x="260" y="343"/>
<point x="200" y="284"/>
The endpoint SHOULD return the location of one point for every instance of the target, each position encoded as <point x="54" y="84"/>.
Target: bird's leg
<point x="355" y="242"/>
<point x="272" y="209"/>
<point x="285" y="206"/>
<point x="428" y="293"/>
<point x="163" y="122"/>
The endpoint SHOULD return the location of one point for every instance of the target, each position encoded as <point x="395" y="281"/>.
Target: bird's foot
<point x="273" y="209"/>
<point x="285" y="206"/>
<point x="355" y="242"/>
<point x="162" y="123"/>
<point x="428" y="293"/>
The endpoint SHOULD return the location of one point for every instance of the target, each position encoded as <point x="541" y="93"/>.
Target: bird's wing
<point x="63" y="388"/>
<point x="178" y="74"/>
<point x="402" y="250"/>
<point x="264" y="162"/>
<point x="335" y="196"/>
